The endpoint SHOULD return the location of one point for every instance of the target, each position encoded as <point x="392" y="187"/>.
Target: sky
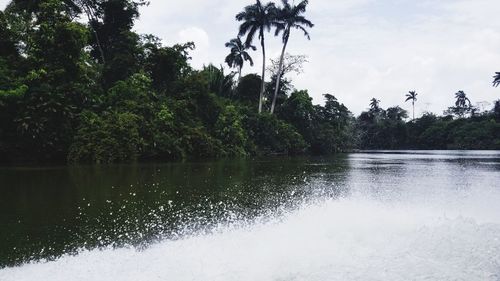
<point x="359" y="49"/>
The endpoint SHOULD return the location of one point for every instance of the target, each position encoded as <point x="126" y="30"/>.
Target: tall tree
<point x="218" y="82"/>
<point x="33" y="6"/>
<point x="290" y="64"/>
<point x="289" y="17"/>
<point x="412" y="96"/>
<point x="396" y="113"/>
<point x="115" y="41"/>
<point x="462" y="100"/>
<point x="58" y="80"/>
<point x="89" y="7"/>
<point x="239" y="54"/>
<point x="374" y="105"/>
<point x="496" y="110"/>
<point x="462" y="103"/>
<point x="258" y="18"/>
<point x="166" y="65"/>
<point x="298" y="110"/>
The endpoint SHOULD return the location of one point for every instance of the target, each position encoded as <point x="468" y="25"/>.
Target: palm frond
<point x="303" y="21"/>
<point x="248" y="58"/>
<point x="306" y="34"/>
<point x="245" y="27"/>
<point x="289" y="17"/>
<point x="496" y="80"/>
<point x="251" y="35"/>
<point x="412" y="95"/>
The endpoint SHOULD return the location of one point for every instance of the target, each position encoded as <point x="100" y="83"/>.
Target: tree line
<point x="98" y="92"/>
<point x="462" y="126"/>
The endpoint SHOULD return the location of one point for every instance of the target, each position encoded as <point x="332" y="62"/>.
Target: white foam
<point x="344" y="239"/>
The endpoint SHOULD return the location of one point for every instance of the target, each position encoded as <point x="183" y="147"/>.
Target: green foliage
<point x="273" y="136"/>
<point x="101" y="93"/>
<point x="51" y="81"/>
<point x="482" y="133"/>
<point x="476" y="135"/>
<point x="396" y="113"/>
<point x="229" y="129"/>
<point x="166" y="65"/>
<point x="288" y="17"/>
<point x="112" y="137"/>
<point x="389" y="131"/>
<point x="8" y="48"/>
<point x="325" y="128"/>
<point x="462" y="106"/>
<point x="257" y="19"/>
<point x="298" y="111"/>
<point x="332" y="127"/>
<point x="248" y="89"/>
<point x="219" y="83"/>
<point x="496" y="111"/>
<point x="133" y="95"/>
<point x="285" y="87"/>
<point x="238" y="54"/>
<point x="114" y="43"/>
<point x="382" y="129"/>
<point x="166" y="144"/>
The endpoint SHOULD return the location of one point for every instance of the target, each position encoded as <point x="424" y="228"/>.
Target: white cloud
<point x="201" y="41"/>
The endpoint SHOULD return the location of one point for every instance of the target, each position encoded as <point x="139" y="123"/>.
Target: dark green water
<point x="48" y="211"/>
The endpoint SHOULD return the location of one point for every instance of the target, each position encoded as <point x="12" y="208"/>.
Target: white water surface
<point x="406" y="218"/>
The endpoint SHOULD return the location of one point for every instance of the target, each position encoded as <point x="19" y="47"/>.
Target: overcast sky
<point x="359" y="49"/>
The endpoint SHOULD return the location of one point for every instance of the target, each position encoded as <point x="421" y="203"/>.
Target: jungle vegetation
<point x="98" y="92"/>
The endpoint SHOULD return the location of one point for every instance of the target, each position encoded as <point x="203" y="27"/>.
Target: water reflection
<point x="48" y="211"/>
<point x="366" y="216"/>
<point x="422" y="175"/>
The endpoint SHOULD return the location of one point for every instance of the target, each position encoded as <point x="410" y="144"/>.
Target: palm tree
<point x="288" y="17"/>
<point x="496" y="80"/>
<point x="238" y="54"/>
<point x="258" y="18"/>
<point x="374" y="105"/>
<point x="462" y="103"/>
<point x="218" y="82"/>
<point x="412" y="95"/>
<point x="462" y="100"/>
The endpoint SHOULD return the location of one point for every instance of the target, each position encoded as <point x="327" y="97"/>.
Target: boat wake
<point x="352" y="238"/>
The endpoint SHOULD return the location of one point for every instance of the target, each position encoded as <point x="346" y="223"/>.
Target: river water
<point x="376" y="215"/>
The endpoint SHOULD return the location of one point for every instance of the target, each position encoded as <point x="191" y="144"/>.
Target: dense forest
<point x="78" y="85"/>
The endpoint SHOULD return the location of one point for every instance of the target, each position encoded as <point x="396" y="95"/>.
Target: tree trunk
<point x="239" y="75"/>
<point x="278" y="77"/>
<point x="98" y="42"/>
<point x="262" y="86"/>
<point x="91" y="17"/>
<point x="413" y="111"/>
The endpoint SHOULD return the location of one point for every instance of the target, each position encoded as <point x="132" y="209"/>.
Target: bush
<point x="229" y="129"/>
<point x="197" y="143"/>
<point x="273" y="136"/>
<point x="114" y="137"/>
